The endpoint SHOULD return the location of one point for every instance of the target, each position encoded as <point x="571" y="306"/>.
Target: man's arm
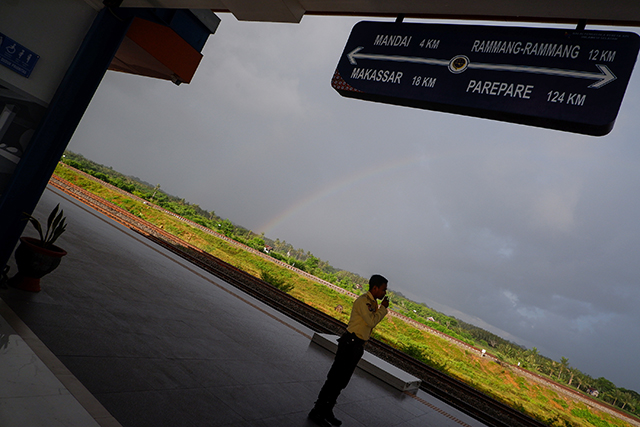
<point x="371" y="318"/>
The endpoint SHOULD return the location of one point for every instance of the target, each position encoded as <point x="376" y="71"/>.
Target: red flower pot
<point x="33" y="262"/>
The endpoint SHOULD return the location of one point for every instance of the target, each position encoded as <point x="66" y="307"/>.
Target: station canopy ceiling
<point x="605" y="12"/>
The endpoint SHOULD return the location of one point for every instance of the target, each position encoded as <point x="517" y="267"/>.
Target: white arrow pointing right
<point x="604" y="76"/>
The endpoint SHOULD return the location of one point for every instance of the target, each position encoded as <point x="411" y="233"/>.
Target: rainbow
<point x="338" y="186"/>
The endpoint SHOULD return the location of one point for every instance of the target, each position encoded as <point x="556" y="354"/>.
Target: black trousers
<point x="350" y="351"/>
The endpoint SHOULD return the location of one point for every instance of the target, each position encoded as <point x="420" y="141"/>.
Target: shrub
<point x="275" y="281"/>
<point x="591" y="418"/>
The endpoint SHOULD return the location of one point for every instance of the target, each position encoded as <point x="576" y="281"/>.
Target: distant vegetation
<point x="497" y="380"/>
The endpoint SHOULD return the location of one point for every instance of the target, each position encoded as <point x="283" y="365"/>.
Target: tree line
<point x="513" y="353"/>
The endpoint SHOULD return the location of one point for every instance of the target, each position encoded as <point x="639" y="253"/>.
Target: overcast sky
<point x="531" y="233"/>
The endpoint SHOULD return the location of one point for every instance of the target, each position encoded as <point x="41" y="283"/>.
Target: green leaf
<point x="51" y="221"/>
<point x="36" y="225"/>
<point x="53" y="226"/>
<point x="57" y="231"/>
<point x="52" y="215"/>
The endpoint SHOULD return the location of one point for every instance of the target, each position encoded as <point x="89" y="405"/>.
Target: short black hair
<point x="377" y="280"/>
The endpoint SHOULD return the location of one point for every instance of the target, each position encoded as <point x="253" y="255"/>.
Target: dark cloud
<point x="528" y="232"/>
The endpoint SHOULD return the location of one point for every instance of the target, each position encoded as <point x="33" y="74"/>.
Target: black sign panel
<point x="552" y="78"/>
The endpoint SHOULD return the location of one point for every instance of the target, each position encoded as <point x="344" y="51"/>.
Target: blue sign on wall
<point x="553" y="78"/>
<point x="17" y="57"/>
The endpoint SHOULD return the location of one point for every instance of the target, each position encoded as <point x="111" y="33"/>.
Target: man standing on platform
<point x="365" y="314"/>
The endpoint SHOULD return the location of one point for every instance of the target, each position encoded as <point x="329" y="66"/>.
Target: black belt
<point x="352" y="337"/>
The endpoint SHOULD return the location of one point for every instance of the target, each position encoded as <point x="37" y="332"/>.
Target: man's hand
<point x="385" y="302"/>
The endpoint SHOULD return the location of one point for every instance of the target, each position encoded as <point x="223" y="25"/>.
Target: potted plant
<point x="37" y="257"/>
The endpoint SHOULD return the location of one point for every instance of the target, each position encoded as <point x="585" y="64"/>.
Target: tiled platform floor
<point x="31" y="395"/>
<point x="160" y="343"/>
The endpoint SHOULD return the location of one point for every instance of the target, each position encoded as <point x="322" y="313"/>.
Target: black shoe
<point x="318" y="418"/>
<point x="332" y="419"/>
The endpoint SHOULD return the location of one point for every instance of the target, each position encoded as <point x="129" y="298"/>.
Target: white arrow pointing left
<point x="428" y="61"/>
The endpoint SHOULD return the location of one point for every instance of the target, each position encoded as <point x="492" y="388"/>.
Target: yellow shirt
<point x="365" y="315"/>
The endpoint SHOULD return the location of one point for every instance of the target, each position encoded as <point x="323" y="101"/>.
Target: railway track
<point x="451" y="391"/>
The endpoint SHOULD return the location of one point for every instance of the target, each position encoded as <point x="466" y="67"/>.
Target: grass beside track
<point x="496" y="380"/>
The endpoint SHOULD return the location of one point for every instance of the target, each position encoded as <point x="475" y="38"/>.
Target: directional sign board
<point x="552" y="78"/>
